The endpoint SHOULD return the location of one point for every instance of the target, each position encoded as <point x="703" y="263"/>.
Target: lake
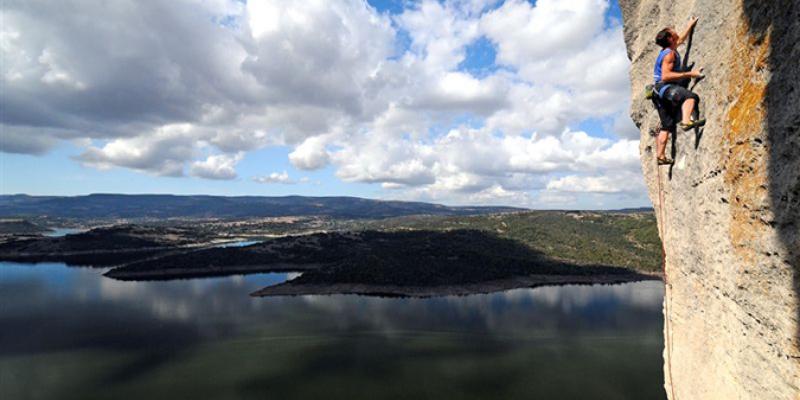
<point x="70" y="333"/>
<point x="58" y="232"/>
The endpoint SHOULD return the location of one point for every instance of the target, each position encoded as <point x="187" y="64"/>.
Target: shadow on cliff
<point x="777" y="22"/>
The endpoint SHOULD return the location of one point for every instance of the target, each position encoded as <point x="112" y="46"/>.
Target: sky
<point x="461" y="102"/>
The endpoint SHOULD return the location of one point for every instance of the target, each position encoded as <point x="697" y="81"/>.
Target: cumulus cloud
<point x="573" y="66"/>
<point x="595" y="184"/>
<point x="311" y="154"/>
<point x="162" y="152"/>
<point x="481" y="166"/>
<point x="26" y="139"/>
<point x="190" y="87"/>
<point x="220" y="166"/>
<point x="316" y="52"/>
<point x="276" y="177"/>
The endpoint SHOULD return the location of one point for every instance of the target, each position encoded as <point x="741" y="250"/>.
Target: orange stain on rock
<point x="746" y="161"/>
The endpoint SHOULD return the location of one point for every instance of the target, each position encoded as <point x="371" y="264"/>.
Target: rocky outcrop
<point x="729" y="209"/>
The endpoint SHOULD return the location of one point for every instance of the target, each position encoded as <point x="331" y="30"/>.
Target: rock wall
<point x="729" y="209"/>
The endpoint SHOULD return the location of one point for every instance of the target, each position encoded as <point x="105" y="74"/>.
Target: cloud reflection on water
<point x="226" y="301"/>
<point x="50" y="310"/>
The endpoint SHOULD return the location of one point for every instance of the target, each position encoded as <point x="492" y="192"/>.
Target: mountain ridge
<point x="104" y="205"/>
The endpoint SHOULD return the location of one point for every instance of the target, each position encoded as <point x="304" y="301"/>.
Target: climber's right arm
<point x="687" y="31"/>
<point x="668" y="73"/>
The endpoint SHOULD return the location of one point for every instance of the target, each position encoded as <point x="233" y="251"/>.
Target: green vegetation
<point x="397" y="258"/>
<point x="278" y="254"/>
<point x="583" y="237"/>
<point x="112" y="245"/>
<point x="493" y="245"/>
<point x="20" y="227"/>
<point x="431" y="258"/>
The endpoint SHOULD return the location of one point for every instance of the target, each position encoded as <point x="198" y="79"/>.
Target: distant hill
<point x="634" y="210"/>
<point x="170" y="206"/>
<point x="19" y="226"/>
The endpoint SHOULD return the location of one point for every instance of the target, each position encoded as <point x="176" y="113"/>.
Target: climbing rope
<point x="662" y="229"/>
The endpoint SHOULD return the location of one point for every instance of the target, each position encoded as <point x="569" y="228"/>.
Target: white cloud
<point x="163" y="152"/>
<point x="277" y="177"/>
<point x="539" y="39"/>
<point x="194" y="85"/>
<point x="591" y="184"/>
<point x="573" y="68"/>
<point x="496" y="193"/>
<point x="439" y="32"/>
<point x="476" y="165"/>
<point x="316" y="52"/>
<point x="554" y="199"/>
<point x="220" y="166"/>
<point x="311" y="154"/>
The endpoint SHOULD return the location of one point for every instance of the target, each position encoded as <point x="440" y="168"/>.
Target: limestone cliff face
<point x="729" y="213"/>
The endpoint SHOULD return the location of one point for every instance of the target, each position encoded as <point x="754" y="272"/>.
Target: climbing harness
<point x="662" y="230"/>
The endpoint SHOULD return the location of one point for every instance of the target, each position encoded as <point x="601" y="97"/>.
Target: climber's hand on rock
<point x="702" y="74"/>
<point x="698" y="73"/>
<point x="688" y="31"/>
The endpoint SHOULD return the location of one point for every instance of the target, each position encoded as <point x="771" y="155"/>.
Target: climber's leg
<point x="688" y="101"/>
<point x="661" y="146"/>
<point x="686" y="110"/>
<point x="667" y="113"/>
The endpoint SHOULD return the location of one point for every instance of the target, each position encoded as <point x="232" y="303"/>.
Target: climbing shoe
<point x="665" y="161"/>
<point x="693" y="124"/>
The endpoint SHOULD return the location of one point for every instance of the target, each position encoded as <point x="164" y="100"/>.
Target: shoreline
<point x="189" y="273"/>
<point x="531" y="281"/>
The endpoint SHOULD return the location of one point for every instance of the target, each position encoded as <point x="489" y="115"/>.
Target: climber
<point x="671" y="97"/>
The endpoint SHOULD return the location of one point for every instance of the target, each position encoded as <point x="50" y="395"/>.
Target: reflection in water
<point x="241" y="243"/>
<point x="57" y="232"/>
<point x="86" y="336"/>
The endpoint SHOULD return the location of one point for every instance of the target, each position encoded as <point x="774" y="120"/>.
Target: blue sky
<point x="490" y="89"/>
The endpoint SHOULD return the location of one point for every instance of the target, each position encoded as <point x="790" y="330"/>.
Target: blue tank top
<point x="657" y="70"/>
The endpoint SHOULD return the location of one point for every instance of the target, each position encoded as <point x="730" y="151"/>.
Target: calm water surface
<point x="70" y="333"/>
<point x="58" y="232"/>
<point x="241" y="243"/>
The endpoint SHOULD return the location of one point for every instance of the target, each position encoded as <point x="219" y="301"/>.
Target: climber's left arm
<point x="687" y="31"/>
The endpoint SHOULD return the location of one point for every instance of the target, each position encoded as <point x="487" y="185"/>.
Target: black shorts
<point x="669" y="106"/>
<point x="678" y="94"/>
<point x="668" y="113"/>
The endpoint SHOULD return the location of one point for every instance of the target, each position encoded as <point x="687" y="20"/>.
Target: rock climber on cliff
<point x="671" y="97"/>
